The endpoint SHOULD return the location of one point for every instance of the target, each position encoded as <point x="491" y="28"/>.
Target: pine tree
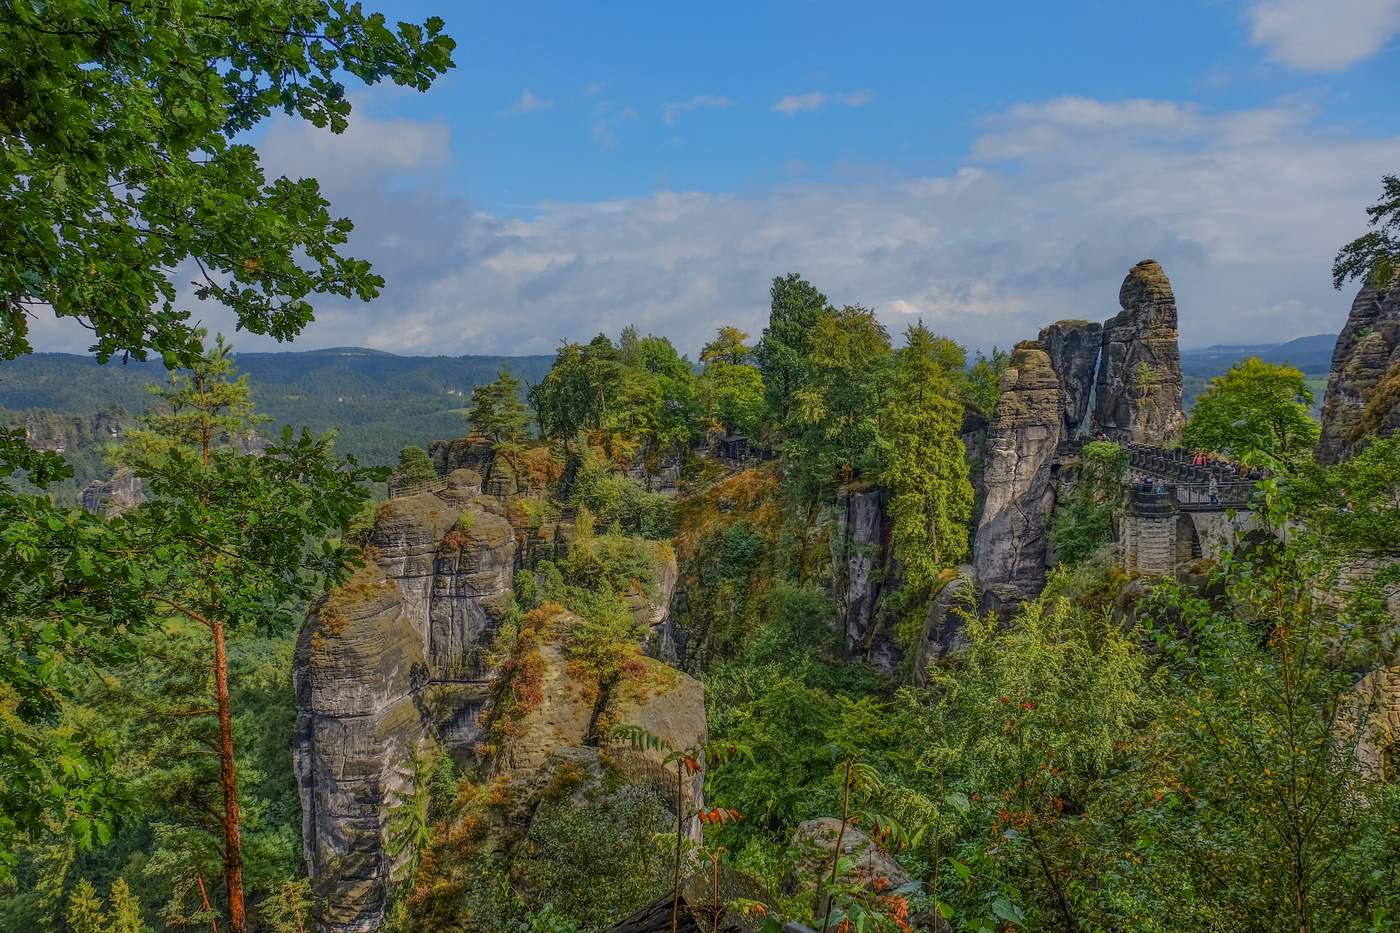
<point x="228" y="534"/>
<point x="927" y="470"/>
<point x="497" y="411"/>
<point x="126" y="910"/>
<point x="85" y="910"/>
<point x="796" y="306"/>
<point x="415" y="466"/>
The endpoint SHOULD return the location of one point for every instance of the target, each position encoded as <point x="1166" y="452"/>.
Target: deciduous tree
<point x="1256" y="412"/>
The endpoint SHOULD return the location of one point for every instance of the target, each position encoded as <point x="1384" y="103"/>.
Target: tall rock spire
<point x="1139" y="383"/>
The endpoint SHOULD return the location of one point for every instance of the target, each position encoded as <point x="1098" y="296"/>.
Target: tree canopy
<point x="497" y="411"/>
<point x="1256" y="412"/>
<point x="118" y="175"/>
<point x="1374" y="255"/>
<point x="795" y="308"/>
<point x="119" y="172"/>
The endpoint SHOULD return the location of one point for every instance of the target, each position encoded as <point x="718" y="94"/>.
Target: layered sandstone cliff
<point x="1008" y="552"/>
<point x="1363" y="388"/>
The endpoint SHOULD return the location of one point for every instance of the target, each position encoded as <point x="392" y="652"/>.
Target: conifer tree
<point x="927" y="470"/>
<point x="85" y="910"/>
<point x="415" y="466"/>
<point x="126" y="910"/>
<point x="229" y="535"/>
<point x="497" y="411"/>
<point x="837" y="434"/>
<point x="796" y="306"/>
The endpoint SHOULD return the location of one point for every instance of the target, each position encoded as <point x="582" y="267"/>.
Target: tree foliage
<point x="1257" y="412"/>
<point x="782" y="354"/>
<point x="119" y="171"/>
<point x="836" y="415"/>
<point x="232" y="537"/>
<point x="1375" y="255"/>
<point x="1083" y="521"/>
<point x="1267" y="812"/>
<point x="119" y="165"/>
<point x="497" y="411"/>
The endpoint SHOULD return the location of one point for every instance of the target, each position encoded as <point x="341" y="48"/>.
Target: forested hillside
<point x="378" y="402"/>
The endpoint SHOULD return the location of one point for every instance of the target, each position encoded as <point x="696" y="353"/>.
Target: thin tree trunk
<point x="680" y="825"/>
<point x="228" y="777"/>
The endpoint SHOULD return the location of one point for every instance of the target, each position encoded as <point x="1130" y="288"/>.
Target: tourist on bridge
<point x="1213" y="487"/>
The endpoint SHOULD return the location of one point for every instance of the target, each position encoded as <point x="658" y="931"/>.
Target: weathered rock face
<point x="1074" y="352"/>
<point x="392" y="659"/>
<point x="1360" y="398"/>
<point x="123" y="491"/>
<point x="654" y="611"/>
<point x="1139" y="382"/>
<point x="359" y="663"/>
<point x="818" y="840"/>
<point x="1010" y="545"/>
<point x="662" y="701"/>
<point x="862" y="539"/>
<point x="944" y="630"/>
<point x="872" y="867"/>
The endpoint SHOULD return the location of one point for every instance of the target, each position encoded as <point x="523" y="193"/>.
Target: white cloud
<point x="1244" y="210"/>
<point x="1323" y="35"/>
<point x="672" y="110"/>
<point x="816" y="100"/>
<point x="529" y="103"/>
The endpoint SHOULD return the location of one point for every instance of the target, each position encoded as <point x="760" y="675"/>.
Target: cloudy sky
<point x="989" y="167"/>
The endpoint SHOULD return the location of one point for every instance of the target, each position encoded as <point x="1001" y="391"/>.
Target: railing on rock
<point x="398" y="490"/>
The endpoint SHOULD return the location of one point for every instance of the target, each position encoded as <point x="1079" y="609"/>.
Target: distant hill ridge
<point x="1313" y="355"/>
<point x="379" y="402"/>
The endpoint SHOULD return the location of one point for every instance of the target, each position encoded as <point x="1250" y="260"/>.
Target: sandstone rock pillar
<point x="1074" y="353"/>
<point x="1010" y="545"/>
<point x="1139" y="382"/>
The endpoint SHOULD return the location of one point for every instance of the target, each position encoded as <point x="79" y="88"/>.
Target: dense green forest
<point x="1075" y="769"/>
<point x="377" y="402"/>
<point x="1208" y="749"/>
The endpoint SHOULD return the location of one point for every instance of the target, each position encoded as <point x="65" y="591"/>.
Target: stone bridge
<point x="1177" y="520"/>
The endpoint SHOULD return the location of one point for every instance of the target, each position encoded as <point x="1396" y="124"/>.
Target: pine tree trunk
<point x="228" y="777"/>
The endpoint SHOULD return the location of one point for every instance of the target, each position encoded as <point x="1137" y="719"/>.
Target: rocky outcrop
<point x="1073" y="347"/>
<point x="123" y="491"/>
<point x="657" y="699"/>
<point x="860" y="561"/>
<point x="359" y="662"/>
<point x="653" y="610"/>
<point x="872" y="867"/>
<point x="1139" y="385"/>
<point x="945" y="627"/>
<point x="394" y="659"/>
<point x="1363" y="388"/>
<point x="1010" y="545"/>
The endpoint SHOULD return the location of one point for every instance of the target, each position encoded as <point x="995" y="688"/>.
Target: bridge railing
<point x="1195" y="497"/>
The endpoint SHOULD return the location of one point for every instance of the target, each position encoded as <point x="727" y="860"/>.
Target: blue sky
<point x="988" y="167"/>
<point x="629" y="98"/>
